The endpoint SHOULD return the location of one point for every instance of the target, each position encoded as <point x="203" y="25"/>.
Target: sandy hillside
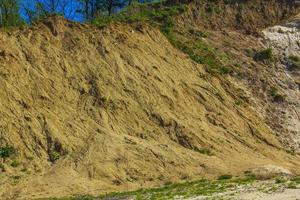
<point x="91" y="111"/>
<point x="238" y="32"/>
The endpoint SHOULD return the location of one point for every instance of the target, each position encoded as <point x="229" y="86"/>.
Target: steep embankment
<point x="222" y="36"/>
<point x="90" y="111"/>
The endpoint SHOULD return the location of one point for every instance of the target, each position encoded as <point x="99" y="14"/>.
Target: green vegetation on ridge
<point x="161" y="16"/>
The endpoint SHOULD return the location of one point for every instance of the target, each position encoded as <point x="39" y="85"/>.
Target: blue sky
<point x="70" y="9"/>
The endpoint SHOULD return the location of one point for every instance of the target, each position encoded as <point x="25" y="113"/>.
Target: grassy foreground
<point x="173" y="190"/>
<point x="207" y="188"/>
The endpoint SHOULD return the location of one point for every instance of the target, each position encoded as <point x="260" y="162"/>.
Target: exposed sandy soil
<point x="122" y="109"/>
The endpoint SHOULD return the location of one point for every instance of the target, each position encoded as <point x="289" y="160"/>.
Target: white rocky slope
<point x="285" y="41"/>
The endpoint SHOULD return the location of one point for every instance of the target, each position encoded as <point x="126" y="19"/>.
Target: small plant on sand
<point x="276" y="95"/>
<point x="2" y="168"/>
<point x="291" y="152"/>
<point x="225" y="177"/>
<point x="266" y="54"/>
<point x="296" y="179"/>
<point x="54" y="156"/>
<point x="292" y="185"/>
<point x="204" y="150"/>
<point x="294" y="62"/>
<point x="280" y="179"/>
<point x="14" y="163"/>
<point x="249" y="175"/>
<point x="6" y="152"/>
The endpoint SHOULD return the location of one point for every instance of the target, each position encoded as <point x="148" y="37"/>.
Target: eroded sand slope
<point x="121" y="108"/>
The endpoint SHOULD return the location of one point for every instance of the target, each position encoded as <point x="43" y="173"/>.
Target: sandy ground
<point x="258" y="191"/>
<point x="91" y="111"/>
<point x="288" y="194"/>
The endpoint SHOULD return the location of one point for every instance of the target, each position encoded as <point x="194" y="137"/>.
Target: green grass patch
<point x="292" y="185"/>
<point x="156" y="14"/>
<point x="201" y="52"/>
<point x="291" y="152"/>
<point x="276" y="95"/>
<point x="296" y="179"/>
<point x="204" y="150"/>
<point x="161" y="16"/>
<point x="2" y="168"/>
<point x="171" y="190"/>
<point x="15" y="163"/>
<point x="280" y="180"/>
<point x="266" y="54"/>
<point x="198" y="33"/>
<point x="225" y="177"/>
<point x="7" y="151"/>
<point x="54" y="156"/>
<point x="294" y="62"/>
